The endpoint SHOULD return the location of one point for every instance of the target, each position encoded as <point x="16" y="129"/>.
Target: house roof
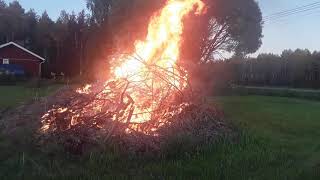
<point x="22" y="48"/>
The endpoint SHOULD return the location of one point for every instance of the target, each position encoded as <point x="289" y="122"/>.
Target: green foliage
<point x="233" y="26"/>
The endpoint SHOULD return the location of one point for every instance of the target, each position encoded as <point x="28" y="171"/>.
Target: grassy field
<point x="11" y="96"/>
<point x="311" y="94"/>
<point x="279" y="140"/>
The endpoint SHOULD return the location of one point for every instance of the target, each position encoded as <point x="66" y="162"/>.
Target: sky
<point x="297" y="31"/>
<point x="53" y="7"/>
<point x="292" y="32"/>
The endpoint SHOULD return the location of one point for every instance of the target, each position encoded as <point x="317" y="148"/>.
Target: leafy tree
<point x="233" y="26"/>
<point x="31" y="21"/>
<point x="100" y="10"/>
<point x="17" y="23"/>
<point x="3" y="15"/>
<point x="11" y="20"/>
<point x="316" y="55"/>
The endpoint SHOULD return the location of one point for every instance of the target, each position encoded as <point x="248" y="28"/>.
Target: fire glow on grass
<point x="145" y="82"/>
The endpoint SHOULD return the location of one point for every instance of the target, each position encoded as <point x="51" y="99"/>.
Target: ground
<point x="279" y="140"/>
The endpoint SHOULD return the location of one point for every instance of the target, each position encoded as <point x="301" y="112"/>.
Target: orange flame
<point x="164" y="35"/>
<point x="147" y="81"/>
<point x="84" y="90"/>
<point x="160" y="49"/>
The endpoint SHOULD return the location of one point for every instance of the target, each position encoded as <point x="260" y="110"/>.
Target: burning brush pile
<point x="148" y="100"/>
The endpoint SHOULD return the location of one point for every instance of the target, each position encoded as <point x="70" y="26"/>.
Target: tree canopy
<point x="233" y="26"/>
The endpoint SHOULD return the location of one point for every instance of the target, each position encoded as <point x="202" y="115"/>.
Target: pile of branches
<point x="103" y="114"/>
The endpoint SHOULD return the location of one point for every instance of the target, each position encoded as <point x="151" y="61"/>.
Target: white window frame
<point x="5" y="61"/>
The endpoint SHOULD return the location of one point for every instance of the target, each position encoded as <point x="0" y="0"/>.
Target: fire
<point x="161" y="46"/>
<point x="85" y="89"/>
<point x="145" y="89"/>
<point x="161" y="49"/>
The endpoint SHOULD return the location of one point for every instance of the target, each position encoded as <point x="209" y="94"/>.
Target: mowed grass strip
<point x="278" y="139"/>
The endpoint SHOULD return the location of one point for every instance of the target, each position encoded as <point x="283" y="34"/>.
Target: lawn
<point x="11" y="96"/>
<point x="311" y="94"/>
<point x="279" y="139"/>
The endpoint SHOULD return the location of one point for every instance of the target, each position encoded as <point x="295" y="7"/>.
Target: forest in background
<point x="298" y="68"/>
<point x="59" y="42"/>
<point x="81" y="43"/>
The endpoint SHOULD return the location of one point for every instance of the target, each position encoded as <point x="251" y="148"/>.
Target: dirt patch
<point x="24" y="120"/>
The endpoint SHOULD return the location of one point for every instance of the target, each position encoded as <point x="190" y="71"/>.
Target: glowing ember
<point x="144" y="87"/>
<point x="85" y="89"/>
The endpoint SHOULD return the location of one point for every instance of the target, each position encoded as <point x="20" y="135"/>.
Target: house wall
<point x="17" y="56"/>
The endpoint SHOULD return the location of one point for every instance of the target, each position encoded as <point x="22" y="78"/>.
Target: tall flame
<point x="163" y="39"/>
<point x="161" y="49"/>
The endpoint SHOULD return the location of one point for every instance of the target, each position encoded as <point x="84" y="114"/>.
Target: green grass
<point x="11" y="96"/>
<point x="311" y="94"/>
<point x="279" y="139"/>
<point x="291" y="125"/>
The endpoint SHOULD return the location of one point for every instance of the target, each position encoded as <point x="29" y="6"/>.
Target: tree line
<point x="298" y="68"/>
<point x="82" y="43"/>
<point x="56" y="41"/>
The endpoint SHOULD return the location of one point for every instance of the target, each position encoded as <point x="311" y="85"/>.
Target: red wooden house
<point x="12" y="54"/>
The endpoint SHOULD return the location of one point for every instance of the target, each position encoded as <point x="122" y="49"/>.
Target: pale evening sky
<point x="300" y="30"/>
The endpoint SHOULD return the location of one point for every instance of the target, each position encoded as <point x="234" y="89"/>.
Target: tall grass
<point x="247" y="157"/>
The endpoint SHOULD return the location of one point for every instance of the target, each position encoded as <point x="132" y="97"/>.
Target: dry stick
<point x="161" y="76"/>
<point x="138" y="58"/>
<point x="131" y="109"/>
<point x="150" y="66"/>
<point x="81" y="105"/>
<point x="152" y="88"/>
<point x="158" y="67"/>
<point x="117" y="115"/>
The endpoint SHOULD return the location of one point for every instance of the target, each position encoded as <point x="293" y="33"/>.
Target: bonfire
<point x="147" y="100"/>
